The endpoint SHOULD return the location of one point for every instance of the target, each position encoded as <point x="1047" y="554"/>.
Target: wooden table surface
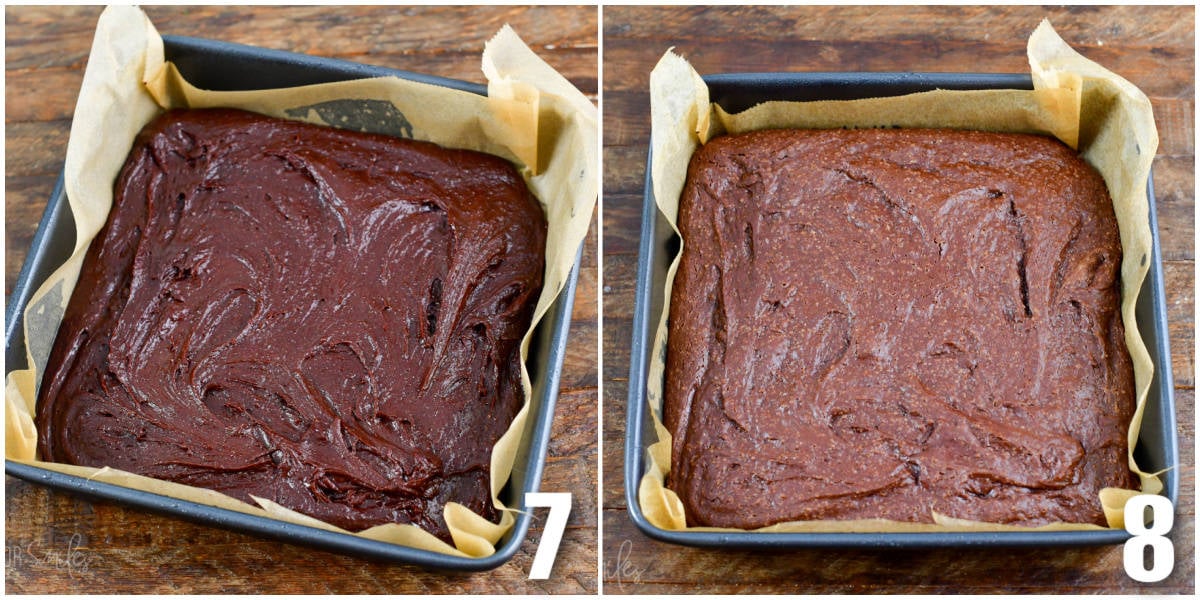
<point x="1151" y="46"/>
<point x="59" y="543"/>
<point x="56" y="542"/>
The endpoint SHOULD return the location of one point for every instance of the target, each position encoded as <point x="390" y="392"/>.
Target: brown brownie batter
<point x="326" y="319"/>
<point x="884" y="323"/>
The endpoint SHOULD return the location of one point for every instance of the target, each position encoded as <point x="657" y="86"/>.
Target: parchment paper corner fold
<point x="1074" y="99"/>
<point x="536" y="119"/>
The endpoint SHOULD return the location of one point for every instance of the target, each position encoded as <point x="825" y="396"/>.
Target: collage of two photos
<point x="599" y="299"/>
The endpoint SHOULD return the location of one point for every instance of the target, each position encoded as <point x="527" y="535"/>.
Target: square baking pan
<point x="1157" y="447"/>
<point x="219" y="65"/>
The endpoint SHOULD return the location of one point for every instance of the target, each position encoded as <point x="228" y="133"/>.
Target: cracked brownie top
<point x="884" y="323"/>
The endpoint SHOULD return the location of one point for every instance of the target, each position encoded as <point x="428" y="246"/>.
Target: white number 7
<point x="560" y="507"/>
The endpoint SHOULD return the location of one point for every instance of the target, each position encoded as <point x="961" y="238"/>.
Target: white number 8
<point x="1162" y="553"/>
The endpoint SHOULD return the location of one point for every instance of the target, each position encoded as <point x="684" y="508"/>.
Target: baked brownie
<point x="327" y="319"/>
<point x="885" y="323"/>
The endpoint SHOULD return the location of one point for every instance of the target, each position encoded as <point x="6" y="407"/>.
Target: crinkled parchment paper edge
<point x="531" y="116"/>
<point x="1074" y="99"/>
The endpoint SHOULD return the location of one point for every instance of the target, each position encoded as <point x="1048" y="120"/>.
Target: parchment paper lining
<point x="532" y="116"/>
<point x="1086" y="106"/>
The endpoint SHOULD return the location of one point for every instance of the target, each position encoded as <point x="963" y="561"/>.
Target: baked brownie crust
<point x="884" y="323"/>
<point x="323" y="318"/>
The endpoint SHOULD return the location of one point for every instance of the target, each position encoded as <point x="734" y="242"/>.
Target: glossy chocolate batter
<point x="323" y="318"/>
<point x="881" y="323"/>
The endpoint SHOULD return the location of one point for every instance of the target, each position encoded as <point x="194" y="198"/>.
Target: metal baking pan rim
<point x="553" y="329"/>
<point x="644" y="323"/>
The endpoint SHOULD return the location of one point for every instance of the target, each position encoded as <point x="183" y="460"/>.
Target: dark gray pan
<point x="219" y="65"/>
<point x="1157" y="447"/>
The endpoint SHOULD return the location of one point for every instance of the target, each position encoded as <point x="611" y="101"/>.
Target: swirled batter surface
<point x="323" y="318"/>
<point x="884" y="323"/>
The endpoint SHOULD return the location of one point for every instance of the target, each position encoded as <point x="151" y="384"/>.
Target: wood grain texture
<point x="1153" y="47"/>
<point x="58" y="543"/>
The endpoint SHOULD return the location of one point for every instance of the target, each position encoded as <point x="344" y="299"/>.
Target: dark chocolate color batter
<point x="323" y="318"/>
<point x="881" y="323"/>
